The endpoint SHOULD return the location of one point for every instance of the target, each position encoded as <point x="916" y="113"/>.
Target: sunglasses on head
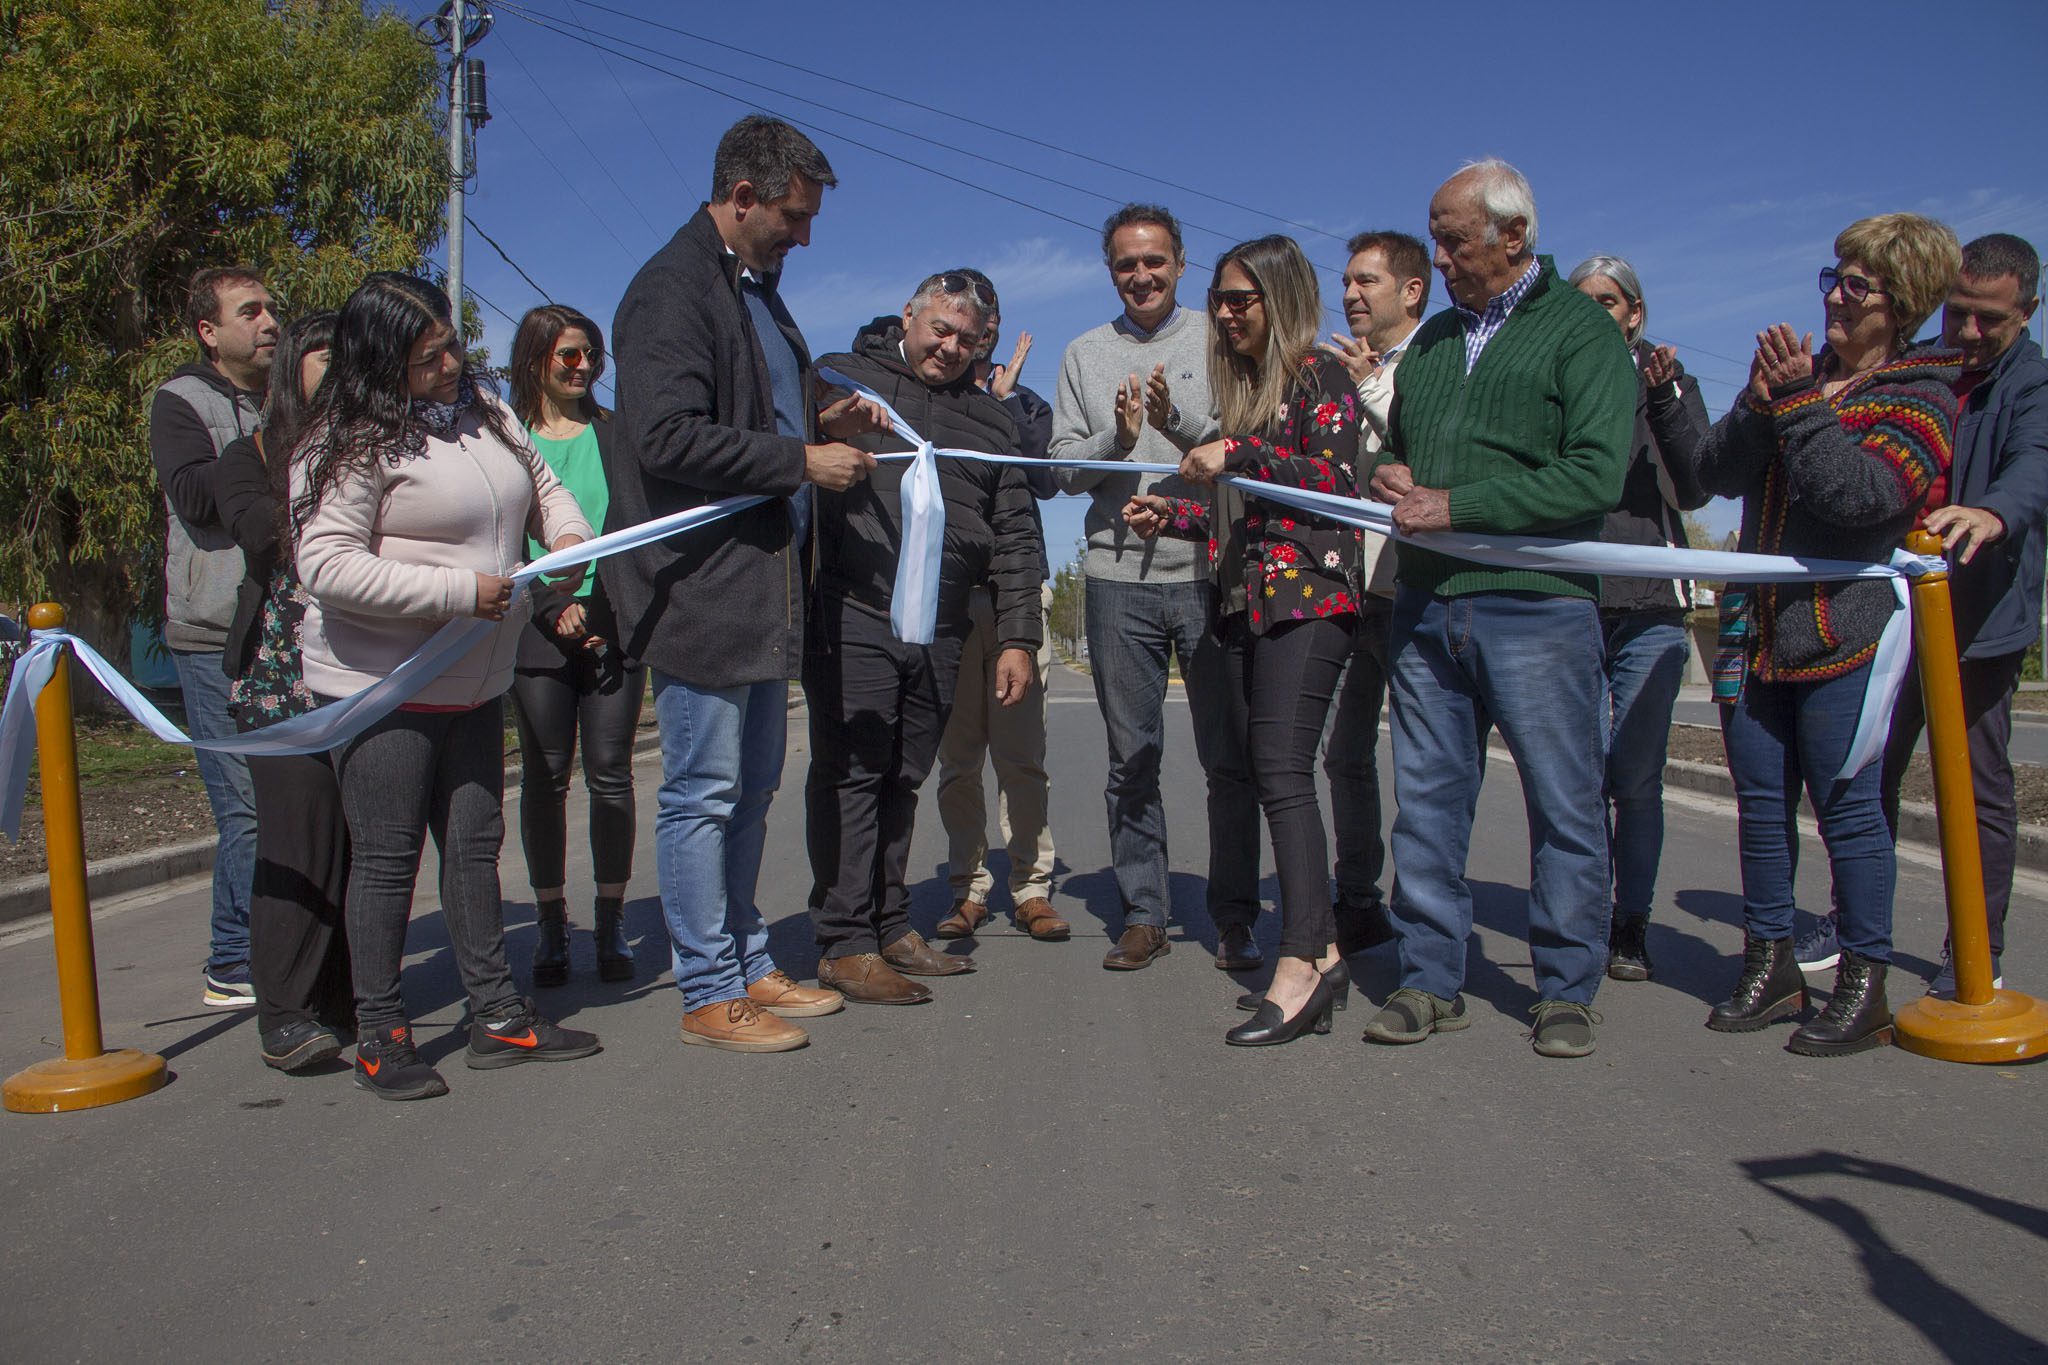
<point x="1855" y="288"/>
<point x="1234" y="300"/>
<point x="574" y="357"/>
<point x="954" y="282"/>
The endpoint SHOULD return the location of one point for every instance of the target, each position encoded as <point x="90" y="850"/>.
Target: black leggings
<point x="298" y="937"/>
<point x="551" y="705"/>
<point x="1291" y="674"/>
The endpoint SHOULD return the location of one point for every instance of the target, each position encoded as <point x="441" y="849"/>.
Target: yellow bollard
<point x="86" y="1076"/>
<point x="1981" y="1024"/>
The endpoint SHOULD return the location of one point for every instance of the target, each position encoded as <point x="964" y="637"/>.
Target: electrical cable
<point x="493" y="243"/>
<point x="638" y="112"/>
<point x="577" y="133"/>
<point x="596" y="217"/>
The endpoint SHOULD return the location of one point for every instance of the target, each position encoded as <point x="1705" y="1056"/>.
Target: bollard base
<point x="61" y="1084"/>
<point x="2010" y="1027"/>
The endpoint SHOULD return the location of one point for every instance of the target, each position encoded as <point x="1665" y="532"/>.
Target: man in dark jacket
<point x="714" y="399"/>
<point x="197" y="412"/>
<point x="879" y="705"/>
<point x="1991" y="528"/>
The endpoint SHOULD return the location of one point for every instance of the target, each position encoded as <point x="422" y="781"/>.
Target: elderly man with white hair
<point x="1512" y="415"/>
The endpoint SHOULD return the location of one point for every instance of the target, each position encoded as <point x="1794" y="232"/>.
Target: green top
<point x="576" y="463"/>
<point x="1535" y="440"/>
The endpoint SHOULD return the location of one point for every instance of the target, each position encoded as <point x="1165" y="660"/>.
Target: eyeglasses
<point x="958" y="282"/>
<point x="1237" y="301"/>
<point x="573" y="357"/>
<point x="1855" y="288"/>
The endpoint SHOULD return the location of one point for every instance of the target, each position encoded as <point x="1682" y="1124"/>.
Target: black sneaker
<point x="1628" y="958"/>
<point x="521" y="1035"/>
<point x="388" y="1068"/>
<point x="300" y="1044"/>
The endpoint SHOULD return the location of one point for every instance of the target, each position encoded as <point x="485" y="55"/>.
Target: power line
<point x="531" y="17"/>
<point x="476" y="294"/>
<point x="638" y="112"/>
<point x="963" y="118"/>
<point x="493" y="244"/>
<point x="597" y="217"/>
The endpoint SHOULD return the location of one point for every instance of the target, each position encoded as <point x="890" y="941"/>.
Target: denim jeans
<point x="1782" y="737"/>
<point x="1133" y="628"/>
<point x="1646" y="654"/>
<point x="1531" y="666"/>
<point x="721" y="761"/>
<point x="232" y="797"/>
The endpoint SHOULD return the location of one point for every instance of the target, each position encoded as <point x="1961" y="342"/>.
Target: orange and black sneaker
<point x="388" y="1068"/>
<point x="522" y="1035"/>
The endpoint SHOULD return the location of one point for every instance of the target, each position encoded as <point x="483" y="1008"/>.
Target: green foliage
<point x="141" y="140"/>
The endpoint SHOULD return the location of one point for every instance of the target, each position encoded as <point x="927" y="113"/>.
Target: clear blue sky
<point x="1718" y="146"/>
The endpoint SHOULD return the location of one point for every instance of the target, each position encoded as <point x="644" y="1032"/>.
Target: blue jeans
<point x="1782" y="737"/>
<point x="1531" y="666"/>
<point x="721" y="760"/>
<point x="1133" y="628"/>
<point x="1646" y="654"/>
<point x="233" y="798"/>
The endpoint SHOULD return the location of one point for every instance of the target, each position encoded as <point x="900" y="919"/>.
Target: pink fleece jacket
<point x="391" y="556"/>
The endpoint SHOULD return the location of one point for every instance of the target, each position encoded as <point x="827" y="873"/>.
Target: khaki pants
<point x="1012" y="736"/>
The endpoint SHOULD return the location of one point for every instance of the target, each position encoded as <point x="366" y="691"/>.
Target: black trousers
<point x="1988" y="685"/>
<point x="1351" y="762"/>
<point x="599" y="701"/>
<point x="878" y="709"/>
<point x="298" y="932"/>
<point x="1291" y="676"/>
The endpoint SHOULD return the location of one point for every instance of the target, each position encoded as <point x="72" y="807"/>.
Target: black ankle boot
<point x="1857" y="1017"/>
<point x="1771" y="988"/>
<point x="551" y="947"/>
<point x="614" y="955"/>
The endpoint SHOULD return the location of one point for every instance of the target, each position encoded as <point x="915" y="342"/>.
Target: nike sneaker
<point x="388" y="1068"/>
<point x="520" y="1034"/>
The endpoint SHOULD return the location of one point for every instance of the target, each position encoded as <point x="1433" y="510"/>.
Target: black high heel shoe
<point x="1339" y="977"/>
<point x="1268" y="1026"/>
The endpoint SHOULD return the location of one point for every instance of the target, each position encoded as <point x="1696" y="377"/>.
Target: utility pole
<point x="461" y="25"/>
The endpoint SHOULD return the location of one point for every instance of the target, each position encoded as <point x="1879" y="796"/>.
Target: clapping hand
<point x="1003" y="382"/>
<point x="1130" y="414"/>
<point x="1661" y="368"/>
<point x="1782" y="357"/>
<point x="1359" y="359"/>
<point x="1158" y="399"/>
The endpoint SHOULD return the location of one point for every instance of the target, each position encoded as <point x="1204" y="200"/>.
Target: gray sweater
<point x="1084" y="428"/>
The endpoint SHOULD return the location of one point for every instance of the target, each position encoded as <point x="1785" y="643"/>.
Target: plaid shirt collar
<point x="1480" y="327"/>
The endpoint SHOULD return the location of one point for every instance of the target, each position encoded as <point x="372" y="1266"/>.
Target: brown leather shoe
<point x="865" y="979"/>
<point x="740" y="1026"/>
<point x="968" y="915"/>
<point x="1139" y="945"/>
<point x="1037" y="918"/>
<point x="914" y="957"/>
<point x="777" y="994"/>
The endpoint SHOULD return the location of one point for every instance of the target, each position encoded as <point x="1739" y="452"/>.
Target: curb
<point x="29" y="897"/>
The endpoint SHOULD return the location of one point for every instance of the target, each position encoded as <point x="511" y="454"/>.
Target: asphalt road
<point x="1049" y="1162"/>
<point x="2029" y="729"/>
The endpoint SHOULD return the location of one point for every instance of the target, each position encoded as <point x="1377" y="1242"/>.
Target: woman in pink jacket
<point x="413" y="493"/>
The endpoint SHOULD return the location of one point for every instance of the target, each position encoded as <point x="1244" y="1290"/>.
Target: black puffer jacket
<point x="991" y="518"/>
<point x="1662" y="483"/>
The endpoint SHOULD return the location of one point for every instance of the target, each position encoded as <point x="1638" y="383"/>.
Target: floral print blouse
<point x="1296" y="565"/>
<point x="274" y="686"/>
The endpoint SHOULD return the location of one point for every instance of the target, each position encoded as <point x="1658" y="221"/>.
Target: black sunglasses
<point x="1855" y="288"/>
<point x="1234" y="300"/>
<point x="953" y="282"/>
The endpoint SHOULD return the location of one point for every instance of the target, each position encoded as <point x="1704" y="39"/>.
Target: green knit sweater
<point x="1534" y="441"/>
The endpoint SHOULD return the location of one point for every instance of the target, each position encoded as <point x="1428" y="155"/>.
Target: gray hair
<point x="976" y="295"/>
<point x="1624" y="275"/>
<point x="1504" y="193"/>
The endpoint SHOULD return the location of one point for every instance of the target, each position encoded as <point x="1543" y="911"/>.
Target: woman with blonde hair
<point x="1289" y="414"/>
<point x="1832" y="455"/>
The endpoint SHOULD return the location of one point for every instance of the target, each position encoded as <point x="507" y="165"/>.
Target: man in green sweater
<point x="1512" y="415"/>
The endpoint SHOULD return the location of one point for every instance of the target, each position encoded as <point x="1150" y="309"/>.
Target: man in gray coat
<point x="195" y="414"/>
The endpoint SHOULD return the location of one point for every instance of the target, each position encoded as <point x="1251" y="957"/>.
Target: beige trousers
<point x="1014" y="738"/>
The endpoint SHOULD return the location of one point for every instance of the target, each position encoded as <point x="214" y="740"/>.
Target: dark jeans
<point x="550" y="707"/>
<point x="232" y="799"/>
<point x="1292" y="675"/>
<point x="1782" y="737"/>
<point x="1646" y="654"/>
<point x="1133" y="629"/>
<point x="412" y="773"/>
<point x="298" y="933"/>
<point x="1351" y="762"/>
<point x="878" y="708"/>
<point x="1988" y="685"/>
<point x="1530" y="665"/>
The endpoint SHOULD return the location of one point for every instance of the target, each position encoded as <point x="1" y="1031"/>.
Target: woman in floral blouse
<point x="298" y="959"/>
<point x="1290" y="584"/>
